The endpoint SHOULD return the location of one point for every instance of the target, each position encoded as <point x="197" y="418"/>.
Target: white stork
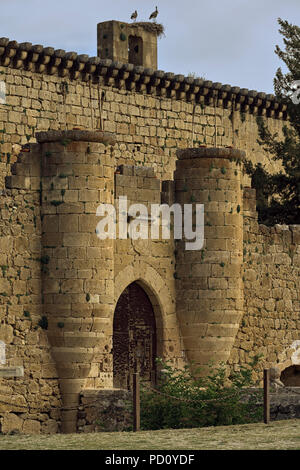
<point x="134" y="15"/>
<point x="154" y="14"/>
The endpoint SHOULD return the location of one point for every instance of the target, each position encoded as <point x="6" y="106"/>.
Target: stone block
<point x="17" y="371"/>
<point x="6" y="333"/>
<point x="31" y="426"/>
<point x="11" y="422"/>
<point x="5" y="287"/>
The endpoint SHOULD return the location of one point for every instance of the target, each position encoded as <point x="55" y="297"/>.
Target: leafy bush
<point x="43" y="323"/>
<point x="182" y="399"/>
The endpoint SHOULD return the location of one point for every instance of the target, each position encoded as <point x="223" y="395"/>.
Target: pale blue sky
<point x="227" y="41"/>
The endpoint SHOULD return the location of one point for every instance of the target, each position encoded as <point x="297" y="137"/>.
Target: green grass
<point x="278" y="435"/>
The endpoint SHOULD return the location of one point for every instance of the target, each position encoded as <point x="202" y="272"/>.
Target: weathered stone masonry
<point x="60" y="284"/>
<point x="271" y="320"/>
<point x="209" y="286"/>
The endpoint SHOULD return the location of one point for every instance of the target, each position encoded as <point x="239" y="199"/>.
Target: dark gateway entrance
<point x="134" y="337"/>
<point x="291" y="376"/>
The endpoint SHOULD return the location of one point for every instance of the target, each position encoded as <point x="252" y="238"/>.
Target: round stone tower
<point x="77" y="175"/>
<point x="209" y="280"/>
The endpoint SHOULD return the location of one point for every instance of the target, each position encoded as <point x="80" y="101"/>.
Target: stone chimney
<point x="133" y="43"/>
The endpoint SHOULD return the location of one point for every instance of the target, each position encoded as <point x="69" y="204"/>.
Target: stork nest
<point x="157" y="28"/>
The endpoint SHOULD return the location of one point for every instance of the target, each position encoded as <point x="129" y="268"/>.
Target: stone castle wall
<point x="271" y="279"/>
<point x="149" y="127"/>
<point x="20" y="312"/>
<point x="78" y="279"/>
<point x="50" y="271"/>
<point x="209" y="286"/>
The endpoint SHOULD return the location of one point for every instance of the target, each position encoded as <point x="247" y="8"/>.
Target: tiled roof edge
<point x="47" y="60"/>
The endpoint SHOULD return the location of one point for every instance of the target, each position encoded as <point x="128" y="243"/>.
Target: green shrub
<point x="43" y="323"/>
<point x="56" y="203"/>
<point x="183" y="400"/>
<point x="45" y="259"/>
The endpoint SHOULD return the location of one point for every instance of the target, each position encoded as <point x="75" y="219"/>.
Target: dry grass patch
<point x="278" y="435"/>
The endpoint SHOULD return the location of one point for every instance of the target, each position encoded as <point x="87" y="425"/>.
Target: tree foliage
<point x="278" y="200"/>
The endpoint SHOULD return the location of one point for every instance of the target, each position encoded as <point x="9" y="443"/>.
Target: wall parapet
<point x="47" y="60"/>
<point x="211" y="152"/>
<point x="76" y="135"/>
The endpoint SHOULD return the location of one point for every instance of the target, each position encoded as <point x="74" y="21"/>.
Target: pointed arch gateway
<point x="134" y="337"/>
<point x="158" y="306"/>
